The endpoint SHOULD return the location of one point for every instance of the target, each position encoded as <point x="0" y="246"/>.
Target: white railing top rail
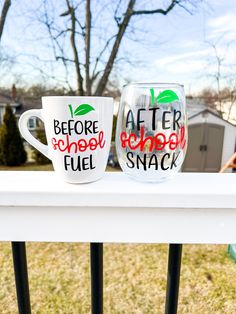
<point x="190" y="208"/>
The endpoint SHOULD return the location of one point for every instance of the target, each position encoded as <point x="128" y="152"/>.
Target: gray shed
<point x="212" y="141"/>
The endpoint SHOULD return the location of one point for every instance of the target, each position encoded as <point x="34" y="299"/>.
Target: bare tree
<point x="223" y="98"/>
<point x="93" y="68"/>
<point x="219" y="59"/>
<point x="232" y="105"/>
<point x="5" y="8"/>
<point x="6" y="60"/>
<point x="87" y="46"/>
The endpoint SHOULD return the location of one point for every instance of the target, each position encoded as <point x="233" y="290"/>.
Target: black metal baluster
<point x="21" y="277"/>
<point x="173" y="277"/>
<point x="96" y="260"/>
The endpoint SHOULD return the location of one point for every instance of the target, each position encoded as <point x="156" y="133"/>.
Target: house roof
<point x="29" y="103"/>
<point x="197" y="105"/>
<point x="21" y="104"/>
<point x="8" y="100"/>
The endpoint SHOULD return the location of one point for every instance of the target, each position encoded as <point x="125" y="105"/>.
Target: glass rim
<point x="152" y="84"/>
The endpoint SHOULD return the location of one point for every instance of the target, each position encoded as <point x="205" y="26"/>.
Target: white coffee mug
<point x="78" y="132"/>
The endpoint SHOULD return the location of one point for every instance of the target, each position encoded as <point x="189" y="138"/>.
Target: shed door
<point x="193" y="161"/>
<point x="205" y="145"/>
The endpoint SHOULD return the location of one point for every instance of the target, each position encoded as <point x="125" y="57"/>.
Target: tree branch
<point x="94" y="75"/>
<point x="122" y="28"/>
<point x="160" y="11"/>
<point x="5" y="8"/>
<point x="74" y="49"/>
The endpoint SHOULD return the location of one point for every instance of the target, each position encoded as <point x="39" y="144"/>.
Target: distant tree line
<point x="223" y="101"/>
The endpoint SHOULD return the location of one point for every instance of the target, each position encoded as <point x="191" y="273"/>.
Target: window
<point x="32" y="123"/>
<point x="1" y="114"/>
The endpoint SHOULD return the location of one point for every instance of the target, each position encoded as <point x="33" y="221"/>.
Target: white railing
<point x="190" y="208"/>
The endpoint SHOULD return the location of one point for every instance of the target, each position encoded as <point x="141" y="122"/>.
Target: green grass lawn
<point x="134" y="278"/>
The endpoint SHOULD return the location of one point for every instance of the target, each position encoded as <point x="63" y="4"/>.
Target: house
<point x="212" y="140"/>
<point x="19" y="105"/>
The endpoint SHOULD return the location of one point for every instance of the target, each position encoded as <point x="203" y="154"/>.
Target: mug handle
<point x="23" y="126"/>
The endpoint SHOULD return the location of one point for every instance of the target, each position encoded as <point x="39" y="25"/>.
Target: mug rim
<point x="76" y="97"/>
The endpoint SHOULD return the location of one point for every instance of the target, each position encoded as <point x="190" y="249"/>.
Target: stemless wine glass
<point x="151" y="132"/>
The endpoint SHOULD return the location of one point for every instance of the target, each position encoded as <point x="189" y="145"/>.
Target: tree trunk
<point x="5" y="8"/>
<point x="122" y="28"/>
<point x="75" y="51"/>
<point x="87" y="47"/>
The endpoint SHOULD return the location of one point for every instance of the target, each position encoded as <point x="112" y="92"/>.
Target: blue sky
<point x="172" y="48"/>
<point x="185" y="55"/>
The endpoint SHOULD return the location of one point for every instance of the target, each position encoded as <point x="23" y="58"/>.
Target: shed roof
<point x="213" y="112"/>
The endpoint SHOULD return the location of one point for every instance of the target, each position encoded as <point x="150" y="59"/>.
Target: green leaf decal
<point x="71" y="110"/>
<point x="166" y="97"/>
<point x="83" y="109"/>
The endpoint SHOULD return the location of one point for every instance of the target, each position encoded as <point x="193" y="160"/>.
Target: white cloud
<point x="183" y="56"/>
<point x="192" y="67"/>
<point x="224" y="26"/>
<point x="222" y="21"/>
<point x="187" y="44"/>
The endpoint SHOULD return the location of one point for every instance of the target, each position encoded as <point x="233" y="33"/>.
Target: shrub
<point x="39" y="158"/>
<point x="12" y="152"/>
